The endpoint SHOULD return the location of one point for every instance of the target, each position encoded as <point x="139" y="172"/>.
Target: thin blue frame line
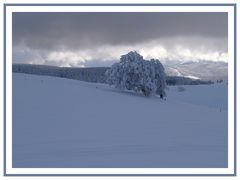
<point x="123" y="4"/>
<point x="4" y="91"/>
<point x="107" y="175"/>
<point x="235" y="89"/>
<point x="235" y="63"/>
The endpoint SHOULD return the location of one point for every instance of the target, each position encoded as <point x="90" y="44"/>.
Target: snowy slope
<point x="68" y="123"/>
<point x="212" y="96"/>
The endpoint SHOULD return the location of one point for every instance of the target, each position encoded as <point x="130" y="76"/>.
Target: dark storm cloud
<point x="56" y="31"/>
<point x="99" y="39"/>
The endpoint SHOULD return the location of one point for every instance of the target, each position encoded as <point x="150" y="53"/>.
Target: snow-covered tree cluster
<point x="135" y="73"/>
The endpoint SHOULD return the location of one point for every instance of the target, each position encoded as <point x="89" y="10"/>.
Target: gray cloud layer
<point x="81" y="37"/>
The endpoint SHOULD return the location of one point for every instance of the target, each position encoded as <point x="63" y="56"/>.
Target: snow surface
<point x="68" y="123"/>
<point x="192" y="77"/>
<point x="212" y="96"/>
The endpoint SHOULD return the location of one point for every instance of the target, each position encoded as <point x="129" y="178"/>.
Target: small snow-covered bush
<point x="135" y="73"/>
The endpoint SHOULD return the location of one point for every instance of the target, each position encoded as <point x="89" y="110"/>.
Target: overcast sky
<point x="99" y="39"/>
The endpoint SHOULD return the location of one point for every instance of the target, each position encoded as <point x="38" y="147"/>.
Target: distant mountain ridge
<point x="204" y="70"/>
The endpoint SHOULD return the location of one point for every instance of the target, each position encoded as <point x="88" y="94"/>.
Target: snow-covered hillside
<point x="205" y="70"/>
<point x="68" y="123"/>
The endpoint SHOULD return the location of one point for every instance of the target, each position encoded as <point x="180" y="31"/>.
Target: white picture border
<point x="98" y="171"/>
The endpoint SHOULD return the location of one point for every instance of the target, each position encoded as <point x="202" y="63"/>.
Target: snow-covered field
<point x="68" y="123"/>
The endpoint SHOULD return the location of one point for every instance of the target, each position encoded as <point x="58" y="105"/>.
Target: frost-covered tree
<point x="135" y="73"/>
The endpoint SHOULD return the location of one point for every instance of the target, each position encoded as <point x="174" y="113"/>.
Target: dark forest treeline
<point x="90" y="74"/>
